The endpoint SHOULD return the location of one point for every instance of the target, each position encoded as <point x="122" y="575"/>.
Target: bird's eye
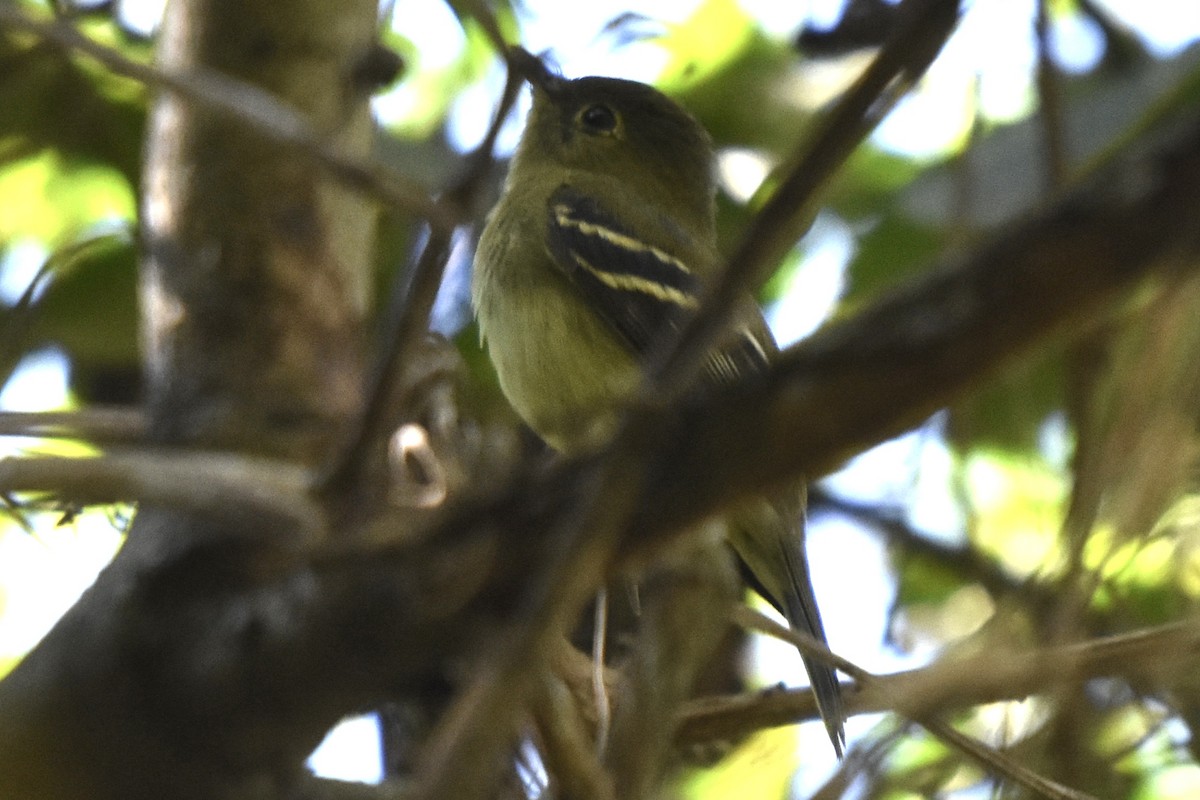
<point x="598" y="118"/>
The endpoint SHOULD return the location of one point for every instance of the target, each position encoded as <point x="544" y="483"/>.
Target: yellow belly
<point x="560" y="366"/>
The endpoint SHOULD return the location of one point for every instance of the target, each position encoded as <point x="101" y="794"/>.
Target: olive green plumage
<point x="602" y="239"/>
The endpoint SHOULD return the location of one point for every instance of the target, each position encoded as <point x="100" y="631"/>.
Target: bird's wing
<point x="640" y="290"/>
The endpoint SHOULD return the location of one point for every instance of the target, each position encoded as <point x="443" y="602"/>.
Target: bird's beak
<point x="534" y="70"/>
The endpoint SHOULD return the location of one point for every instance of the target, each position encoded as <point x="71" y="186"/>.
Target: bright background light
<point x="987" y="69"/>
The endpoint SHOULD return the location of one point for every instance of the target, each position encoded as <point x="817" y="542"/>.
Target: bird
<point x="598" y="248"/>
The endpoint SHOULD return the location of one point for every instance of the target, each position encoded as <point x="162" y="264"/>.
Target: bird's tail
<point x="800" y="608"/>
<point x="769" y="539"/>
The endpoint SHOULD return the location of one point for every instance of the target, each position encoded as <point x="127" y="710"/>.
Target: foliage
<point x="1091" y="534"/>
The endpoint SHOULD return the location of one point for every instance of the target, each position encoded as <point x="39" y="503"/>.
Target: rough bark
<point x="254" y="294"/>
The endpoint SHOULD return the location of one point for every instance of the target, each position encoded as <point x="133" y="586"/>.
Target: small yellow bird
<point x="600" y="246"/>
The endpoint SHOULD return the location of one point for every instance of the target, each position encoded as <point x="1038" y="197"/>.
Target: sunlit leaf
<point x="90" y="310"/>
<point x="1017" y="505"/>
<point x="1180" y="782"/>
<point x="761" y="767"/>
<point x="52" y="200"/>
<point x="701" y="46"/>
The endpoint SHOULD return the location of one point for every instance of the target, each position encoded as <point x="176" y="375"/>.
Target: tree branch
<point x="884" y="370"/>
<point x="921" y="28"/>
<point x="1147" y="654"/>
<point x="231" y="487"/>
<point x="252" y="107"/>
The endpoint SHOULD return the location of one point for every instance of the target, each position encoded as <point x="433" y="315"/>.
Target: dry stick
<point x="253" y="107"/>
<point x="486" y="19"/>
<point x="922" y="28"/>
<point x="919" y="693"/>
<point x="95" y="424"/>
<point x="1082" y="365"/>
<point x="986" y="756"/>
<point x="589" y="524"/>
<point x="407" y="319"/>
<point x="208" y="482"/>
<point x="977" y="680"/>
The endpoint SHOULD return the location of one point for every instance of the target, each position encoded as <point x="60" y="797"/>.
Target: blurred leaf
<point x="1017" y="507"/>
<point x="924" y="580"/>
<point x="1180" y="782"/>
<point x="746" y="97"/>
<point x="761" y="767"/>
<point x="90" y="310"/>
<point x="1012" y="410"/>
<point x="52" y="200"/>
<point x="893" y="248"/>
<point x="867" y="184"/>
<point x="1140" y="580"/>
<point x="76" y="108"/>
<point x="780" y="282"/>
<point x="918" y="766"/>
<point x="705" y="44"/>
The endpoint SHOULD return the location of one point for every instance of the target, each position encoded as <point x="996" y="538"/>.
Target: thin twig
<point x="253" y="107"/>
<point x="599" y="684"/>
<point x="96" y="424"/>
<point x="860" y="760"/>
<point x="1000" y="764"/>
<point x="406" y="322"/>
<point x="211" y="483"/>
<point x="566" y="746"/>
<point x="919" y="712"/>
<point x="1161" y="650"/>
<point x="586" y="527"/>
<point x="1049" y="86"/>
<point x="922" y="27"/>
<point x="23" y="314"/>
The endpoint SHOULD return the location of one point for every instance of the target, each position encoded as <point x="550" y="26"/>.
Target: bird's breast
<point x="560" y="366"/>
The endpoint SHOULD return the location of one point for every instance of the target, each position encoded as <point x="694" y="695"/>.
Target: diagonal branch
<point x="922" y="27"/>
<point x="915" y="708"/>
<point x="248" y="105"/>
<point x="226" y="486"/>
<point x="877" y="374"/>
<point x="959" y="683"/>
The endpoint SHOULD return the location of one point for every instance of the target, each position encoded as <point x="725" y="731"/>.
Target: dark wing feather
<point x="641" y="291"/>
